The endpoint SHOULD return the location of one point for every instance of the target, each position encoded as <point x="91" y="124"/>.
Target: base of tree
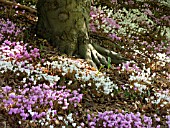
<point x="97" y="55"/>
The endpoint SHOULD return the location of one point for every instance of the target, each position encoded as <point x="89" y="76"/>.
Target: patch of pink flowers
<point x="34" y="97"/>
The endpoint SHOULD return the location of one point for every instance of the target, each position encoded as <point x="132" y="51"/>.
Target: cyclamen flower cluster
<point x="108" y="24"/>
<point x="32" y="94"/>
<point x="83" y="74"/>
<point x="18" y="51"/>
<point x="26" y="100"/>
<point x="145" y="75"/>
<point x="8" y="29"/>
<point x="121" y="120"/>
<point x="12" y="48"/>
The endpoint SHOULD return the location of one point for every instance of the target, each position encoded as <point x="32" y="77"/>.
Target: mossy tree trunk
<point x="65" y="23"/>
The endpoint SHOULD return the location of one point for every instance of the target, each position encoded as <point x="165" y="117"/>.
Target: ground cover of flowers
<point x="40" y="88"/>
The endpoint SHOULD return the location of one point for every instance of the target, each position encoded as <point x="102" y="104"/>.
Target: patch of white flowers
<point x="100" y="79"/>
<point x="140" y="87"/>
<point x="162" y="96"/>
<point x="4" y="65"/>
<point x="144" y="75"/>
<point x="66" y="65"/>
<point x="162" y="57"/>
<point x="130" y="19"/>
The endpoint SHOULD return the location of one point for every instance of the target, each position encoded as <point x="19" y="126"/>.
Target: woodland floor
<point x="125" y="100"/>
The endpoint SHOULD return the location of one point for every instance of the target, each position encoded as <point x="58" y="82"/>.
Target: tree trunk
<point x="65" y="23"/>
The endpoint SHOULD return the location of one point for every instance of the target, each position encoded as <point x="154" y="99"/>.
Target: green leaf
<point x="109" y="63"/>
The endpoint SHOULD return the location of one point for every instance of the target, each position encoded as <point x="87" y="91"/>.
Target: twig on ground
<point x="19" y="6"/>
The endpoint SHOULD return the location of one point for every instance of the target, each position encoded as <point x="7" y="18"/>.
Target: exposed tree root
<point x="19" y="6"/>
<point x="97" y="55"/>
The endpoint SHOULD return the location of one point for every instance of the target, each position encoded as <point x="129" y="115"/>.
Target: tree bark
<point x="65" y="23"/>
